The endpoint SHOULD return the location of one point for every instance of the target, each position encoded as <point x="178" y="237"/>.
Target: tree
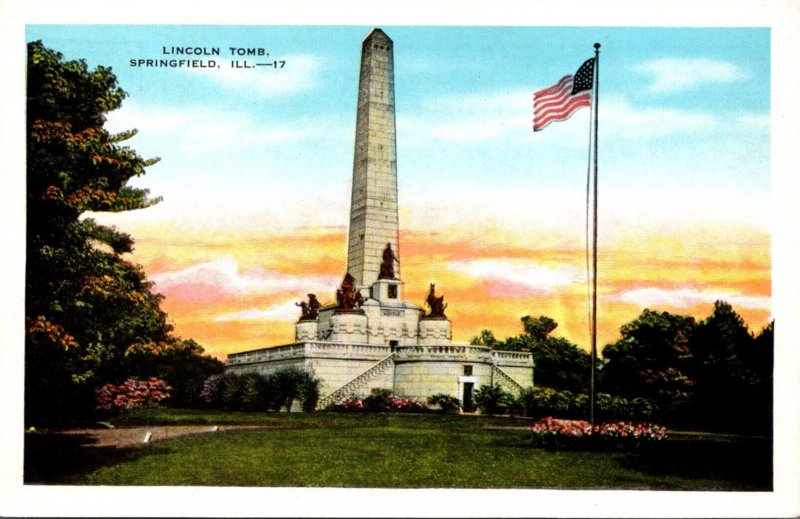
<point x="734" y="372"/>
<point x="559" y="363"/>
<point x="652" y="360"/>
<point x="89" y="312"/>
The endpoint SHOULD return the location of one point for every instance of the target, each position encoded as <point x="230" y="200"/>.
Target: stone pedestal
<point x="387" y="291"/>
<point x="434" y="331"/>
<point x="305" y="331"/>
<point x="348" y="327"/>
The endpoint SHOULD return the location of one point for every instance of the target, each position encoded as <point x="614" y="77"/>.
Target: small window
<point x="467" y="370"/>
<point x="394" y="343"/>
<point x="392" y="292"/>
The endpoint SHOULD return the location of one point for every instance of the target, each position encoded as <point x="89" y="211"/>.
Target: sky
<point x="256" y="166"/>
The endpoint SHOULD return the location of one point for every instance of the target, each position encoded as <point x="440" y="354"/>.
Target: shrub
<point x="405" y="405"/>
<point x="493" y="399"/>
<point x="378" y="400"/>
<point x="554" y="433"/>
<point x="309" y="393"/>
<point x="211" y="393"/>
<point x="348" y="405"/>
<point x="446" y="403"/>
<point x="132" y="393"/>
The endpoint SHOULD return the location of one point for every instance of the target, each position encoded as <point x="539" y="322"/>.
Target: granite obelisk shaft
<point x="373" y="205"/>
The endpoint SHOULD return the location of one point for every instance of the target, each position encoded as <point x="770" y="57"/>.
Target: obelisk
<point x="373" y="205"/>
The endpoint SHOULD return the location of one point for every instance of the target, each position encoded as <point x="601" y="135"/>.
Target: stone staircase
<point x="355" y="385"/>
<point x="502" y="378"/>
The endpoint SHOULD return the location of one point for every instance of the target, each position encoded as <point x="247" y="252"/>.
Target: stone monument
<point x="370" y="337"/>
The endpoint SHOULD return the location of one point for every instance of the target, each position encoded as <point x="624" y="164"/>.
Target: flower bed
<point x="391" y="404"/>
<point x="554" y="433"/>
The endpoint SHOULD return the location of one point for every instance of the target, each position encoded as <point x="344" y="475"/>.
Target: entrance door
<point x="468" y="404"/>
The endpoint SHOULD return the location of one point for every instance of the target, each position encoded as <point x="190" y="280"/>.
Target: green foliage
<point x="446" y="403"/>
<point x="558" y="362"/>
<point x="485" y="338"/>
<point x="378" y="400"/>
<point x="493" y="399"/>
<point x="652" y="360"/>
<point x="256" y="392"/>
<point x="91" y="316"/>
<point x="309" y="392"/>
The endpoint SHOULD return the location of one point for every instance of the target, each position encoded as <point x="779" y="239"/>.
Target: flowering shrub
<point x="569" y="433"/>
<point x="132" y="393"/>
<point x="348" y="405"/>
<point x="379" y="403"/>
<point x="405" y="405"/>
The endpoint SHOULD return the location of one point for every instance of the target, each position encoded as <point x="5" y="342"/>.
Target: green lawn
<point x="392" y="451"/>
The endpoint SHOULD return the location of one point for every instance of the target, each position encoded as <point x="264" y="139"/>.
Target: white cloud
<point x="674" y="75"/>
<point x="224" y="276"/>
<point x="623" y="119"/>
<point x="474" y="117"/>
<point x="283" y="312"/>
<point x="524" y="274"/>
<point x="300" y="73"/>
<point x="207" y="129"/>
<point x="687" y="297"/>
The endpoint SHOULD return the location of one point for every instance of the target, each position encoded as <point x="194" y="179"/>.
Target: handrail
<point x="355" y="382"/>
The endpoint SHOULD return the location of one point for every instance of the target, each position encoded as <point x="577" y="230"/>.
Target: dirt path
<point x="135" y="436"/>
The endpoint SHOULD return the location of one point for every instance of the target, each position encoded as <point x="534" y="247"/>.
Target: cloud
<point x="623" y="119"/>
<point x="674" y="75"/>
<point x="200" y="129"/>
<point x="687" y="297"/>
<point x="287" y="311"/>
<point x="473" y="117"/>
<point x="222" y="277"/>
<point x="300" y="73"/>
<point x="515" y="276"/>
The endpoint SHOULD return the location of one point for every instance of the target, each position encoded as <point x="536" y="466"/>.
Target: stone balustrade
<point x="512" y="358"/>
<point x="310" y="349"/>
<point x="460" y="353"/>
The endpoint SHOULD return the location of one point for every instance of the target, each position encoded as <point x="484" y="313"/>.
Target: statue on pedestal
<point x="436" y="304"/>
<point x="309" y="310"/>
<point x="387" y="266"/>
<point x="348" y="297"/>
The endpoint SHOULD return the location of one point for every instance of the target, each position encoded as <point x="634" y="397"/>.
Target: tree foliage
<point x="558" y="363"/>
<point x="91" y="315"/>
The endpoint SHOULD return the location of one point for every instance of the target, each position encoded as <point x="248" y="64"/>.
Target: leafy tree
<point x="734" y="372"/>
<point x="559" y="363"/>
<point x="89" y="313"/>
<point x="652" y="359"/>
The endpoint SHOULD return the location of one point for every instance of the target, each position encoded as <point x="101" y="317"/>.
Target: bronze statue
<point x="436" y="304"/>
<point x="309" y="310"/>
<point x="387" y="266"/>
<point x="348" y="297"/>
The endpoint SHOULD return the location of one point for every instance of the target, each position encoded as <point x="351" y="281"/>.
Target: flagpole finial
<point x="596" y="46"/>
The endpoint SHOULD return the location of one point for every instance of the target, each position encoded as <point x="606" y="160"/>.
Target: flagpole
<point x="595" y="105"/>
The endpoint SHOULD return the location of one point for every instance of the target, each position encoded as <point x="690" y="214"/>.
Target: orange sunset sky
<point x="256" y="167"/>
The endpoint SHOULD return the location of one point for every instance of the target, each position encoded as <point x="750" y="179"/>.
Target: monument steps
<point x="355" y="385"/>
<point x="504" y="379"/>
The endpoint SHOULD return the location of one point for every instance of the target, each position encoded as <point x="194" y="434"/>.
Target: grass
<point x="401" y="451"/>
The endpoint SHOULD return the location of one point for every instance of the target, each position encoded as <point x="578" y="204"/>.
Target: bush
<point x="132" y="393"/>
<point x="347" y="405"/>
<point x="309" y="393"/>
<point x="493" y="399"/>
<point x="446" y="403"/>
<point x="378" y="400"/>
<point x="552" y="433"/>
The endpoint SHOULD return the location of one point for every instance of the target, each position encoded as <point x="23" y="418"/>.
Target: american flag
<point x="563" y="99"/>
